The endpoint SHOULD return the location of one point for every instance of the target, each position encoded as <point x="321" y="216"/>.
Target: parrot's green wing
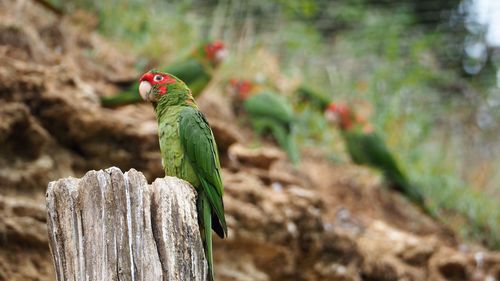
<point x="199" y="146"/>
<point x="271" y="105"/>
<point x="381" y="158"/>
<point x="314" y="97"/>
<point x="192" y="72"/>
<point x="355" y="147"/>
<point x="378" y="154"/>
<point x="270" y="111"/>
<point x="370" y="149"/>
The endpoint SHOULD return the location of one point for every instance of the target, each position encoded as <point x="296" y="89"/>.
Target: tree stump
<point x="114" y="226"/>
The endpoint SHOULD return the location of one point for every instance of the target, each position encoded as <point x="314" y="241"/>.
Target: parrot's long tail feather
<point x="292" y="150"/>
<point x="400" y="183"/>
<point x="286" y="141"/>
<point x="205" y="213"/>
<point x="122" y="98"/>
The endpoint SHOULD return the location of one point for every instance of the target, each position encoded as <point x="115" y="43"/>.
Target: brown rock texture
<point x="318" y="221"/>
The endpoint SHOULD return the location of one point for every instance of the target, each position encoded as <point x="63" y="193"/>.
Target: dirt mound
<point x="318" y="222"/>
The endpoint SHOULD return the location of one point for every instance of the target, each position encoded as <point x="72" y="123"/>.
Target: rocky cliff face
<point x="319" y="222"/>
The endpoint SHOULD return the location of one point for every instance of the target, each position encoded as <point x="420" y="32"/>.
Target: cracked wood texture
<point x="111" y="225"/>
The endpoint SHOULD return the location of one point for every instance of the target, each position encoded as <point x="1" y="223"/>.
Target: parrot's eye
<point x="158" y="78"/>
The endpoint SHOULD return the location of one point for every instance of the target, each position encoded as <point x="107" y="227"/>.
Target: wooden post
<point x="114" y="226"/>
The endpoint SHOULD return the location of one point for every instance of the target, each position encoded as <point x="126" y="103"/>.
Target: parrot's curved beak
<point x="144" y="89"/>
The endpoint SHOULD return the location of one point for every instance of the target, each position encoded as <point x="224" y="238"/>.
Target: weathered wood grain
<point x="114" y="226"/>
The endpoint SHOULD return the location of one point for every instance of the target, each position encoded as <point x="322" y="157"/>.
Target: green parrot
<point x="366" y="147"/>
<point x="188" y="150"/>
<point x="195" y="70"/>
<point x="311" y="96"/>
<point x="267" y="112"/>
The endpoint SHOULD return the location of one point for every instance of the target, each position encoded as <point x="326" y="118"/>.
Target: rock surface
<point x="318" y="222"/>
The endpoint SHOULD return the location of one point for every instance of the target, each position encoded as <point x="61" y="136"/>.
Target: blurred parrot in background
<point x="365" y="147"/>
<point x="188" y="150"/>
<point x="317" y="99"/>
<point x="267" y="112"/>
<point x="195" y="70"/>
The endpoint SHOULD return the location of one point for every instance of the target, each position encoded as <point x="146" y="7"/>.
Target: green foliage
<point x="152" y="28"/>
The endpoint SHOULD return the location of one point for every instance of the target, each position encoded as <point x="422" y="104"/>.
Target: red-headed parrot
<point x="365" y="147"/>
<point x="188" y="150"/>
<point x="267" y="112"/>
<point x="195" y="70"/>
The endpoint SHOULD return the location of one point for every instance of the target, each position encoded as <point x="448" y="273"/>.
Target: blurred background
<point x="425" y="73"/>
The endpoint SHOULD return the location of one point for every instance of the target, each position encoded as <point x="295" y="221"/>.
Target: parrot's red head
<point x="215" y="52"/>
<point x="340" y="114"/>
<point x="240" y="88"/>
<point x="154" y="84"/>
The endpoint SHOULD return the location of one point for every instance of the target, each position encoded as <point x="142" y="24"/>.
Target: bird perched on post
<point x="196" y="70"/>
<point x="267" y="112"/>
<point x="365" y="147"/>
<point x="188" y="150"/>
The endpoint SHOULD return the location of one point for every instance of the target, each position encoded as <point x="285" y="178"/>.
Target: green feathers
<point x="316" y="98"/>
<point x="369" y="149"/>
<point x="270" y="112"/>
<point x="189" y="152"/>
<point x="199" y="146"/>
